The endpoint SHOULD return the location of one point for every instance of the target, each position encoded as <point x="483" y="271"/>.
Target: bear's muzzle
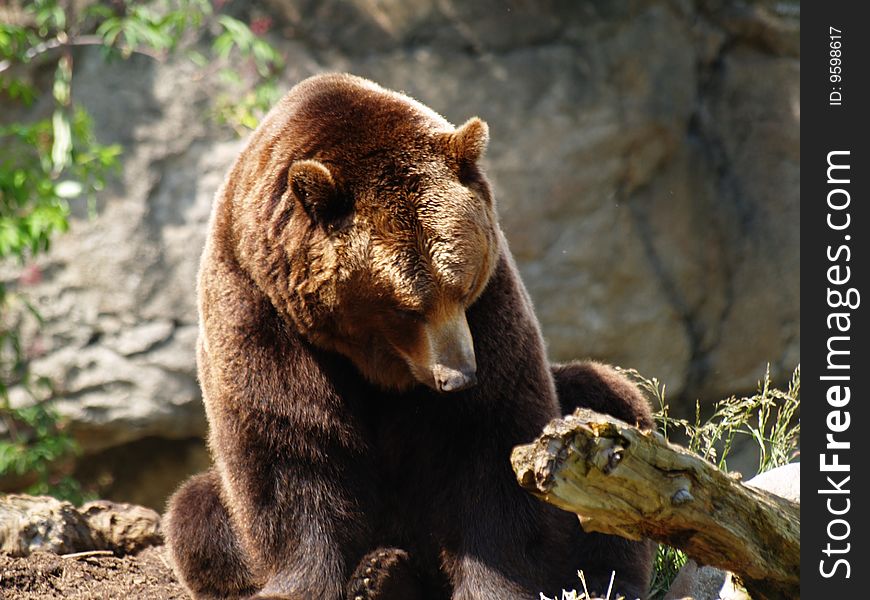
<point x="452" y="380"/>
<point x="451" y="358"/>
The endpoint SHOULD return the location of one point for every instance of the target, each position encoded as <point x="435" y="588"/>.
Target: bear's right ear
<point x="314" y="188"/>
<point x="468" y="142"/>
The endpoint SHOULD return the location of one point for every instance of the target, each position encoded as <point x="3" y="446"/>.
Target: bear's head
<point x="380" y="233"/>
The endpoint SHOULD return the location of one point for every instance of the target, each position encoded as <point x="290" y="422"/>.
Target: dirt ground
<point x="41" y="576"/>
<point x="146" y="576"/>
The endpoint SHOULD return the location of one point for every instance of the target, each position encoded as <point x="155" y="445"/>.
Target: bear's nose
<point x="452" y="380"/>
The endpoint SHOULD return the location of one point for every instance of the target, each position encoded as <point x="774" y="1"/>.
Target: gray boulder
<point x="645" y="157"/>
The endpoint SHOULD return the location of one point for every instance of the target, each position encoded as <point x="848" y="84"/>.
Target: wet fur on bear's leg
<point x="602" y="388"/>
<point x="203" y="548"/>
<point x="384" y="574"/>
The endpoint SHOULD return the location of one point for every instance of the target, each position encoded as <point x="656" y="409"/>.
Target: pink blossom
<point x="261" y="25"/>
<point x="30" y="275"/>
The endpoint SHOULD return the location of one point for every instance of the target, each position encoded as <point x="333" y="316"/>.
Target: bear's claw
<point x="384" y="574"/>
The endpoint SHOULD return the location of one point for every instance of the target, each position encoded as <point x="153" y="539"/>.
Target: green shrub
<point x="768" y="417"/>
<point x="49" y="157"/>
<point x="37" y="445"/>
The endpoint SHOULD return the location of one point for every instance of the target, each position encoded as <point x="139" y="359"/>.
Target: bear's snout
<point x="452" y="380"/>
<point x="451" y="351"/>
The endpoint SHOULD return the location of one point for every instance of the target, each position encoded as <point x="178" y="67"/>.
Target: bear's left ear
<point x="468" y="143"/>
<point x="315" y="189"/>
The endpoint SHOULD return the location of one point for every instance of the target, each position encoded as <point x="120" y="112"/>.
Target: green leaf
<point x="68" y="189"/>
<point x="19" y="178"/>
<point x="47" y="14"/>
<point x="110" y="29"/>
<point x="17" y="90"/>
<point x="62" y="81"/>
<point x="240" y="32"/>
<point x="99" y="11"/>
<point x="223" y="44"/>
<point x="197" y="58"/>
<point x="33" y="311"/>
<point x="62" y="147"/>
<point x="230" y="77"/>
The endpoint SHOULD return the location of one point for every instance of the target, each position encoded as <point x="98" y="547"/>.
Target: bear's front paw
<point x="384" y="574"/>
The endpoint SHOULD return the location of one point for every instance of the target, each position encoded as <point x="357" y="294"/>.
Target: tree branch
<point x="635" y="484"/>
<point x="84" y="40"/>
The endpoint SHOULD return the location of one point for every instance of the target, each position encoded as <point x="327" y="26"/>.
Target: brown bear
<point x="368" y="358"/>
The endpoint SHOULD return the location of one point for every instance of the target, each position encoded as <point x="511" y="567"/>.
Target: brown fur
<point x="354" y="266"/>
<point x="602" y="388"/>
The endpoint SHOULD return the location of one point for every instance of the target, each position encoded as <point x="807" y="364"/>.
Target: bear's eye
<point x="411" y="313"/>
<point x="467" y="293"/>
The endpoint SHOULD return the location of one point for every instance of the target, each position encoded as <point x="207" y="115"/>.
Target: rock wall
<point x="645" y="157"/>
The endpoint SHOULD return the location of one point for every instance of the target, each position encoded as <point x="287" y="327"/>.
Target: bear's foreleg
<point x="298" y="546"/>
<point x="603" y="389"/>
<point x="302" y="515"/>
<point x="511" y="546"/>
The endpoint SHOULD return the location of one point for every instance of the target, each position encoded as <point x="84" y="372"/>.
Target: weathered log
<point x="121" y="527"/>
<point x="624" y="481"/>
<point x="41" y="523"/>
<point x="31" y="523"/>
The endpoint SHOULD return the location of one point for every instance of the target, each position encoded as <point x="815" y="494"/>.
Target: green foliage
<point x="44" y="164"/>
<point x="768" y="418"/>
<point x="36" y="443"/>
<point x="49" y="156"/>
<point x="666" y="565"/>
<point x="244" y="113"/>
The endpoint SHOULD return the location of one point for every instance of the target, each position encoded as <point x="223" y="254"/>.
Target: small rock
<point x="40" y="523"/>
<point x="783" y="481"/>
<point x="124" y="528"/>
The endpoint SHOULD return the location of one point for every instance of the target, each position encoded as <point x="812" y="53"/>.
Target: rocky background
<point x="645" y="156"/>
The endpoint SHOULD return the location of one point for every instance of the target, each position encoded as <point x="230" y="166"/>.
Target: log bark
<point x="624" y="481"/>
<point x="41" y="523"/>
